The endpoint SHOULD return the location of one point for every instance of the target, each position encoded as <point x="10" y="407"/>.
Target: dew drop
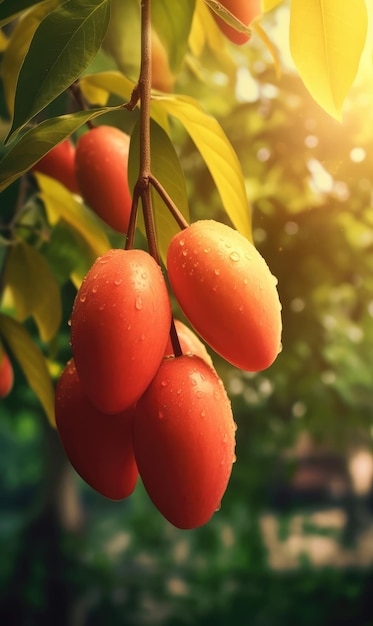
<point x="193" y="382"/>
<point x="185" y="252"/>
<point x="234" y="256"/>
<point x="144" y="275"/>
<point x="218" y="507"/>
<point x="225" y="438"/>
<point x="138" y="303"/>
<point x="182" y="242"/>
<point x="217" y="271"/>
<point x="203" y="413"/>
<point x="103" y="260"/>
<point x="234" y="458"/>
<point x="118" y="281"/>
<point x="94" y="289"/>
<point x="207" y="250"/>
<point x="164" y="383"/>
<point x="83" y="297"/>
<point x="69" y="322"/>
<point x="240" y="308"/>
<point x="199" y="394"/>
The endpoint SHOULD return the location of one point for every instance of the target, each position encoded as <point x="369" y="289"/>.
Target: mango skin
<point x="98" y="446"/>
<point x="184" y="441"/>
<point x="120" y="326"/>
<point x="227" y="292"/>
<point x="6" y="375"/>
<point x="101" y="167"/>
<point x="243" y="10"/>
<point x="59" y="164"/>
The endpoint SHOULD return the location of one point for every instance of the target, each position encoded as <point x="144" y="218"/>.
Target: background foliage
<point x="287" y="159"/>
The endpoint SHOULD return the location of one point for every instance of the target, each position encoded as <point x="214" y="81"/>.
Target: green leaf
<point x="166" y="168"/>
<point x="38" y="141"/>
<point x="9" y="9"/>
<point x="173" y="21"/>
<point x="17" y="47"/>
<point x="72" y="35"/>
<point x="68" y="253"/>
<point x="218" y="155"/>
<point x="327" y="38"/>
<point x="31" y="361"/>
<point x="60" y="204"/>
<point x="34" y="289"/>
<point x="123" y="36"/>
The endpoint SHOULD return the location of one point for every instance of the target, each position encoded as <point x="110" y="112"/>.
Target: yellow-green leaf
<point x="327" y="38"/>
<point x="34" y="289"/>
<point x="100" y="84"/>
<point x="18" y="45"/>
<point x="3" y="41"/>
<point x="97" y="87"/>
<point x="218" y="154"/>
<point x="31" y="361"/>
<point x="60" y="204"/>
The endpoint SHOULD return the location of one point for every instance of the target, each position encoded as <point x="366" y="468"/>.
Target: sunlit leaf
<point x="166" y="168"/>
<point x="31" y="361"/>
<point x="34" y="289"/>
<point x="60" y="204"/>
<point x="72" y="34"/>
<point x="18" y="45"/>
<point x="9" y="9"/>
<point x="327" y="38"/>
<point x="204" y="31"/>
<point x="172" y="21"/>
<point x="37" y="141"/>
<point x="218" y="154"/>
<point x="268" y="5"/>
<point x="270" y="47"/>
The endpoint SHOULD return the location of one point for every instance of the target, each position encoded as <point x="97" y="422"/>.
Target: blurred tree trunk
<point x="39" y="592"/>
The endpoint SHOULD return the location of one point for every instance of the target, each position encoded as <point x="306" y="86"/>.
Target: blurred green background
<point x="293" y="541"/>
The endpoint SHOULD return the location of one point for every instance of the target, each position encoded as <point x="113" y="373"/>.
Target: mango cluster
<point x="128" y="404"/>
